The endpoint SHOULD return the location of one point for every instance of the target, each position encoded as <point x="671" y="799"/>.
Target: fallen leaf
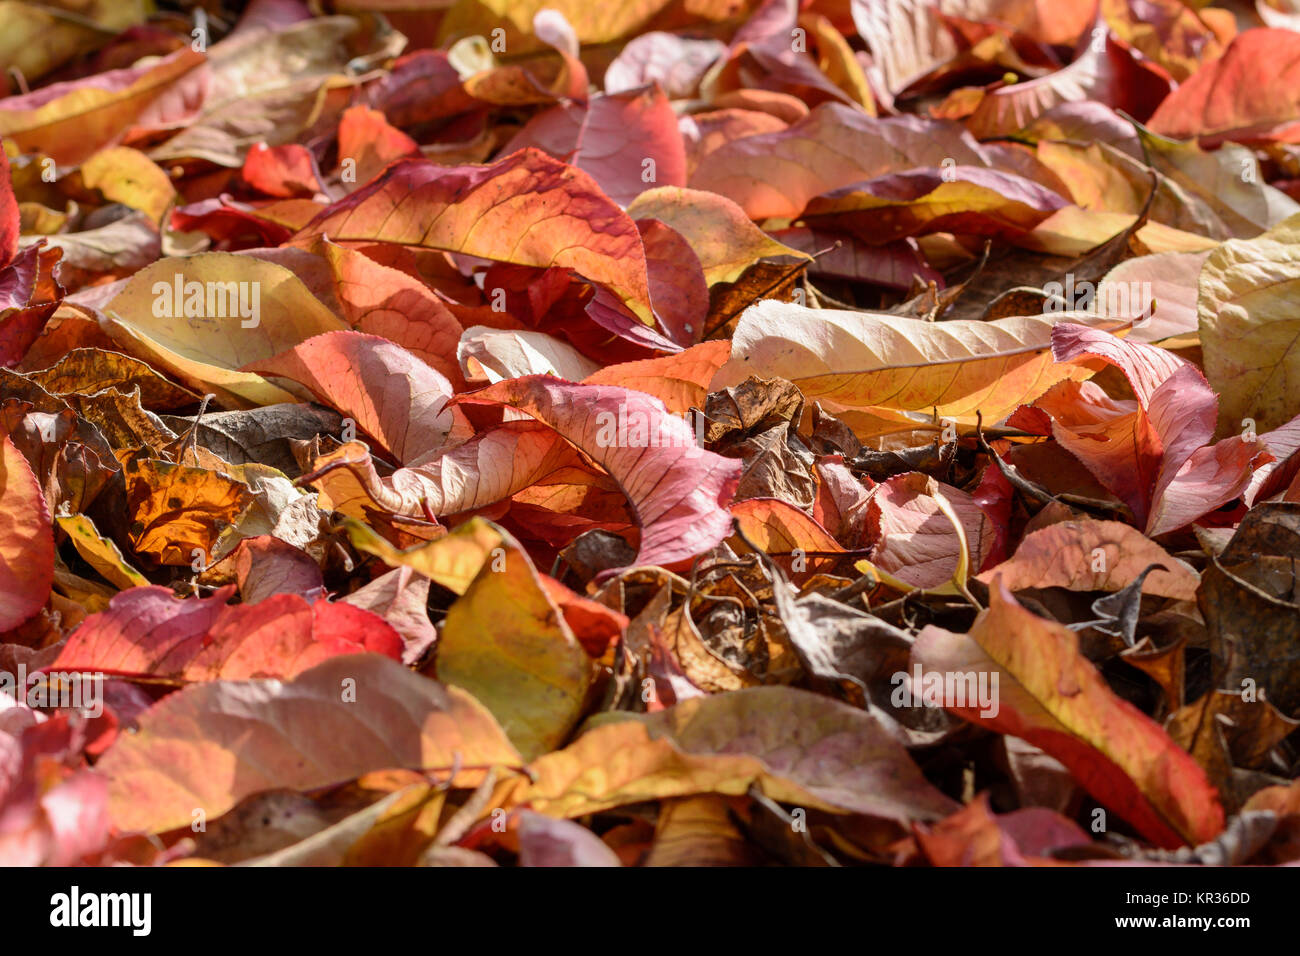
<point x="230" y="311"/>
<point x="1250" y="603"/>
<point x="71" y="121"/>
<point x="819" y="753"/>
<point x="971" y="200"/>
<point x="497" y="354"/>
<point x="1090" y="555"/>
<point x="314" y="731"/>
<point x="624" y="140"/>
<point x="1050" y="695"/>
<point x="776" y="174"/>
<point x="1243" y="95"/>
<point x="574" y="225"/>
<point x="726" y="242"/>
<point x="680" y="381"/>
<point x="100" y="553"/>
<point x="506" y="642"/>
<point x="128" y="176"/>
<point x="387" y="302"/>
<point x="91" y="370"/>
<point x="678" y="491"/>
<point x="177" y="512"/>
<point x="545" y="841"/>
<point x="26" y="540"/>
<point x="860" y="359"/>
<point x="389" y="393"/>
<point x="1247" y="332"/>
<point x="915" y="539"/>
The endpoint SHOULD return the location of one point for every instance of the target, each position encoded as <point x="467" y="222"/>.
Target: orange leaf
<point x="209" y="745"/>
<point x="1065" y="555"/>
<point x="528" y="209"/>
<point x="780" y="528"/>
<point x="367" y="139"/>
<point x="1250" y="94"/>
<point x="26" y="540"/>
<point x="1046" y="692"/>
<point x="387" y="302"/>
<point x="680" y="380"/>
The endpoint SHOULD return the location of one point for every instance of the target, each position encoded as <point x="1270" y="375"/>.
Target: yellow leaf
<point x="680" y="380"/>
<point x="1250" y="329"/>
<point x="507" y="643"/>
<point x="861" y="359"/>
<point x="717" y="229"/>
<point x="100" y="552"/>
<point x="453" y="560"/>
<point x="206" y="337"/>
<point x="130" y="177"/>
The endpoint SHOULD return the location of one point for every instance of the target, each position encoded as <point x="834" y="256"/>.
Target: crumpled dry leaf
<point x="767" y="738"/>
<point x="1252" y="607"/>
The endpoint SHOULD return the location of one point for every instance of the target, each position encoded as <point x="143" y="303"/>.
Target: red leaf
<point x="914" y="540"/>
<point x="148" y="633"/>
<point x="1152" y="453"/>
<point x="8" y="213"/>
<point x="285" y="172"/>
<point x="629" y="141"/>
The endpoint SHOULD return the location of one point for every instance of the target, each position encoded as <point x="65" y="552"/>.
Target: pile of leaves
<point x="649" y="433"/>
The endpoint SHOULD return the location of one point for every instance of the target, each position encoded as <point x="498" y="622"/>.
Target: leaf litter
<point x="776" y="433"/>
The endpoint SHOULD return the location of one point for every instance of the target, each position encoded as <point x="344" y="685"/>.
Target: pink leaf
<point x="678" y="490"/>
<point x="393" y="396"/>
<point x="914" y="540"/>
